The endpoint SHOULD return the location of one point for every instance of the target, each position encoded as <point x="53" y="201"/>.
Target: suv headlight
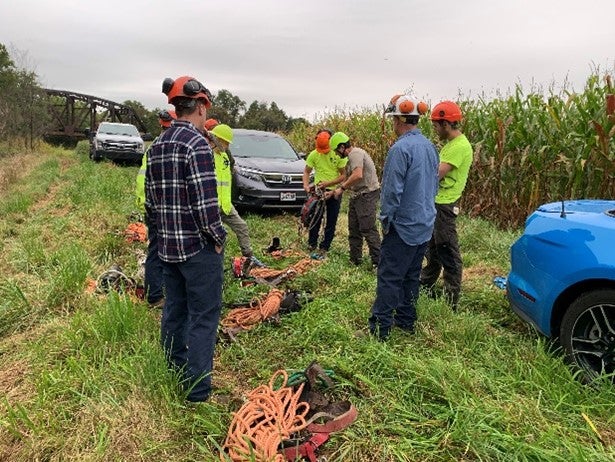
<point x="249" y="173"/>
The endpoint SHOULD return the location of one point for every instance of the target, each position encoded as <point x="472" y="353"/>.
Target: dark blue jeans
<point x="398" y="285"/>
<point x="190" y="318"/>
<point x="331" y="212"/>
<point x="153" y="265"/>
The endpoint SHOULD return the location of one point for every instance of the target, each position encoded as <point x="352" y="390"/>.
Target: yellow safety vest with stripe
<point x="224" y="176"/>
<point x="140" y="189"/>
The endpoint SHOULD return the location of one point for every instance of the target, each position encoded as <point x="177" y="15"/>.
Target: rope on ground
<point x="258" y="310"/>
<point x="279" y="254"/>
<point x="270" y="416"/>
<point x="301" y="267"/>
<point x="135" y="232"/>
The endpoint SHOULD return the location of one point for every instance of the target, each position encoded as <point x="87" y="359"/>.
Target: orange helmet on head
<point x="210" y="123"/>
<point x="446" y="110"/>
<point x="165" y="117"/>
<point x="186" y="86"/>
<point x="322" y="141"/>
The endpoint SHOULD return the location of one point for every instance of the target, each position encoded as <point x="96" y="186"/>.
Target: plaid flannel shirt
<point x="181" y="196"/>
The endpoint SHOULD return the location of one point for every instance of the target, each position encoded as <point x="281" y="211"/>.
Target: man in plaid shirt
<point x="181" y="197"/>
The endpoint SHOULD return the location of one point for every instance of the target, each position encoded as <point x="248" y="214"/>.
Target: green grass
<point x="82" y="376"/>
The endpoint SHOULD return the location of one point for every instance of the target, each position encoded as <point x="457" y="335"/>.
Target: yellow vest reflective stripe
<point x="223" y="177"/>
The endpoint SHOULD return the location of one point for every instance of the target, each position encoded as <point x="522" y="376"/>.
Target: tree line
<point x="23" y="108"/>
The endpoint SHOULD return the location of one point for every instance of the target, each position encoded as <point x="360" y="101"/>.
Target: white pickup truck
<point x="118" y="142"/>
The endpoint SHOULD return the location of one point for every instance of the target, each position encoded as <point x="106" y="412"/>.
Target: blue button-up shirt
<point x="181" y="193"/>
<point x="409" y="188"/>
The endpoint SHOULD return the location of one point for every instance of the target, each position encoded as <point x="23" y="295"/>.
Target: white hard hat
<point x="405" y="105"/>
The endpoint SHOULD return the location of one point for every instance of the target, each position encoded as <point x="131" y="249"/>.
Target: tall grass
<point x="531" y="146"/>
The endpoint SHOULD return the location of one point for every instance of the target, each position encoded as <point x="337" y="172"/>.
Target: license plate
<point x="288" y="196"/>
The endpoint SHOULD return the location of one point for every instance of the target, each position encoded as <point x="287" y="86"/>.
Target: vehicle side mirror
<point x="303" y="155"/>
<point x="147" y="137"/>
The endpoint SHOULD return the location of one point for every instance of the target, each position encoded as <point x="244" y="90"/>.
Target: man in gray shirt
<point x="362" y="184"/>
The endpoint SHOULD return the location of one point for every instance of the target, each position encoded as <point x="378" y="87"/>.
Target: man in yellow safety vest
<point x="223" y="135"/>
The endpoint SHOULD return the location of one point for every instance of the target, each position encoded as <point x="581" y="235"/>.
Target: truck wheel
<point x="587" y="333"/>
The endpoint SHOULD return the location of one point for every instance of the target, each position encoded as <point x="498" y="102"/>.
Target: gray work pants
<point x="362" y="225"/>
<point x="240" y="228"/>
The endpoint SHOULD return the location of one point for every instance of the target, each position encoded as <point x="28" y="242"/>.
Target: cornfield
<point x="529" y="147"/>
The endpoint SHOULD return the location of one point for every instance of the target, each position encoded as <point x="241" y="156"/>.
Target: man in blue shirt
<point x="407" y="213"/>
<point x="181" y="198"/>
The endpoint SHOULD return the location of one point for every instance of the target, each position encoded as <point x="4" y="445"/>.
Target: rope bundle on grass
<point x="301" y="267"/>
<point x="269" y="417"/>
<point x="258" y="310"/>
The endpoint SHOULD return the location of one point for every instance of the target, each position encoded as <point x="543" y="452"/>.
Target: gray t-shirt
<point x="359" y="158"/>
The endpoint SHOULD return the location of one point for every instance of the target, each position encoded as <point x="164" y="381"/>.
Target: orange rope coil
<point x="301" y="267"/>
<point x="135" y="232"/>
<point x="258" y="311"/>
<point x="269" y="417"/>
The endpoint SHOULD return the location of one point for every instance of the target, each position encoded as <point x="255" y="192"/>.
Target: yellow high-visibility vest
<point x="224" y="176"/>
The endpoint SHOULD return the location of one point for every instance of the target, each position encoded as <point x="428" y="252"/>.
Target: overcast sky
<point x="310" y="56"/>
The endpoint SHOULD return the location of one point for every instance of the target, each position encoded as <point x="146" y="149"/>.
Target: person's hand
<point x="218" y="249"/>
<point x="338" y="193"/>
<point x="329" y="194"/>
<point x="321" y="185"/>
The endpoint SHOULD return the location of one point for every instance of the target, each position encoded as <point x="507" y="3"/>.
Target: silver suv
<point x="268" y="171"/>
<point x="116" y="141"/>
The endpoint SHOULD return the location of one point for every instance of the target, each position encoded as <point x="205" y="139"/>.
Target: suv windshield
<point x="117" y="129"/>
<point x="266" y="146"/>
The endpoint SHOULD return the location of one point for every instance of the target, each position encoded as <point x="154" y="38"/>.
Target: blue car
<point x="562" y="280"/>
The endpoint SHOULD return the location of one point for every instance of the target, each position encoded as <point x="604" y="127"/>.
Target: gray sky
<point x="310" y="56"/>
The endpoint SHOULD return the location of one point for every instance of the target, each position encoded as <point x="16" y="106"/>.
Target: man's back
<point x="181" y="189"/>
<point x="409" y="186"/>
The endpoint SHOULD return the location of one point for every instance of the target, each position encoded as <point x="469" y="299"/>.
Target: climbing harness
<point x="313" y="209"/>
<point x="115" y="279"/>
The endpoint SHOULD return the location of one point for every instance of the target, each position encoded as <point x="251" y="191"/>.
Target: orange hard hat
<point x="186" y="86"/>
<point x="446" y="110"/>
<point x="322" y="142"/>
<point x="210" y="123"/>
<point x="165" y="117"/>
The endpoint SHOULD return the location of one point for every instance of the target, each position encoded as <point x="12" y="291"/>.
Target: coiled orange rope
<point x="135" y="232"/>
<point x="256" y="312"/>
<point x="301" y="267"/>
<point x="268" y="418"/>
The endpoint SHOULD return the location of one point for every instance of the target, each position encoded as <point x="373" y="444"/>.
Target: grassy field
<point x="82" y="376"/>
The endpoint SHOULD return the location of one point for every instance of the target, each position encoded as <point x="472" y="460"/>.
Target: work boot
<point x="274" y="245"/>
